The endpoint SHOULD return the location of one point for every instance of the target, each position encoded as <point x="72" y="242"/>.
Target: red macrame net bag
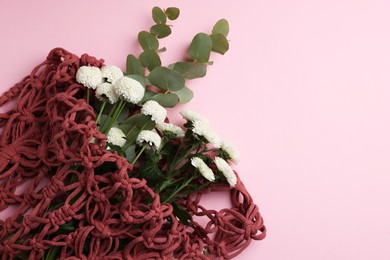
<point x="117" y="216"/>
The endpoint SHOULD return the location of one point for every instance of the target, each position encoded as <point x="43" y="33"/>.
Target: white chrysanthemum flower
<point x="202" y="167"/>
<point x="129" y="89"/>
<point x="174" y="129"/>
<point x="155" y="110"/>
<point x="152" y="139"/>
<point x="230" y="151"/>
<point x="202" y="128"/>
<point x="106" y="90"/>
<point x="89" y="76"/>
<point x="116" y="137"/>
<point x="192" y="116"/>
<point x="226" y="170"/>
<point x="111" y="73"/>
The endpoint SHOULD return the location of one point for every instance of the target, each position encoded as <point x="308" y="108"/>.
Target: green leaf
<point x="130" y="153"/>
<point x="160" y="30"/>
<point x="147" y="82"/>
<point x="222" y="27"/>
<point x="52" y="254"/>
<point x="147" y="41"/>
<point x="133" y="66"/>
<point x="139" y="78"/>
<point x="158" y="15"/>
<point x="172" y="13"/>
<point x="181" y="214"/>
<point x="150" y="170"/>
<point x="190" y="70"/>
<point x="184" y="95"/>
<point x="166" y="79"/>
<point x="200" y="48"/>
<point x="25" y="255"/>
<point x="124" y="114"/>
<point x="165" y="100"/>
<point x="148" y="94"/>
<point x="103" y="118"/>
<point x="66" y="228"/>
<point x="220" y="43"/>
<point x="150" y="59"/>
<point x="163" y="49"/>
<point x="137" y="120"/>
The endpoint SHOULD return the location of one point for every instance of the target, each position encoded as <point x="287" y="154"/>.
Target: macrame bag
<point x="103" y="213"/>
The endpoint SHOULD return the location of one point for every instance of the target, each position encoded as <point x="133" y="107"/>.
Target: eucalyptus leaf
<point x="133" y="66"/>
<point x="166" y="79"/>
<point x="222" y="27"/>
<point x="163" y="49"/>
<point x="160" y="30"/>
<point x="147" y="82"/>
<point x="184" y="95"/>
<point x="148" y="94"/>
<point x="166" y="100"/>
<point x="139" y="78"/>
<point x="158" y="15"/>
<point x="190" y="70"/>
<point x="220" y="43"/>
<point x="147" y="41"/>
<point x="200" y="48"/>
<point x="172" y="13"/>
<point x="150" y="59"/>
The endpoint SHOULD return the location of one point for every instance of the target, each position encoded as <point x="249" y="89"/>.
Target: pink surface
<point x="303" y="93"/>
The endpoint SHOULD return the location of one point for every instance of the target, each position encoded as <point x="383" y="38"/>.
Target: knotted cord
<point x="48" y="136"/>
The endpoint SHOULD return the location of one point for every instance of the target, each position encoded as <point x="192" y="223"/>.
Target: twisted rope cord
<point x="114" y="216"/>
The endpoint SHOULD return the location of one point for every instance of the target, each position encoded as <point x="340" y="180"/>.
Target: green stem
<point x="177" y="162"/>
<point x="185" y="184"/>
<point x="165" y="185"/>
<point x="118" y="110"/>
<point x="163" y="142"/>
<point x="52" y="254"/>
<point x="101" y="111"/>
<point x="131" y="130"/>
<point x="133" y="139"/>
<point x="108" y="117"/>
<point x="138" y="155"/>
<point x="88" y="96"/>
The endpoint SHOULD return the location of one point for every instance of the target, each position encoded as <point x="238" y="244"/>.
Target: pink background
<point x="303" y="93"/>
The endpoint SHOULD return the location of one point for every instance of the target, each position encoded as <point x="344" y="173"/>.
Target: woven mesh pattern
<point x="46" y="146"/>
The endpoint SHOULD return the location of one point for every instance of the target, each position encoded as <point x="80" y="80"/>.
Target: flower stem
<point x="133" y="139"/>
<point x="185" y="184"/>
<point x="88" y="96"/>
<point x="101" y="111"/>
<point x="138" y="155"/>
<point x="164" y="140"/>
<point x="108" y="117"/>
<point x="131" y="130"/>
<point x="179" y="159"/>
<point x="118" y="110"/>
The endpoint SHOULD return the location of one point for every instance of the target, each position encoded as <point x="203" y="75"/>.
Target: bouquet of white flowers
<point x="121" y="181"/>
